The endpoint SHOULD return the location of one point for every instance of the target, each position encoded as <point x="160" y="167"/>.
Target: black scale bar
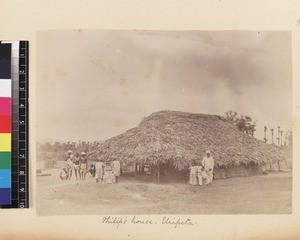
<point x="23" y="132"/>
<point x="20" y="170"/>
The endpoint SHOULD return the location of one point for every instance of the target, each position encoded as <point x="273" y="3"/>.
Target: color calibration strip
<point x="5" y="123"/>
<point x="19" y="125"/>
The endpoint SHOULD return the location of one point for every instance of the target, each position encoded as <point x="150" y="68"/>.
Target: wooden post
<point x="157" y="171"/>
<point x="135" y="169"/>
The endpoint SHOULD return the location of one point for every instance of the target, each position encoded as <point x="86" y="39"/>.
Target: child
<point x="64" y="175"/>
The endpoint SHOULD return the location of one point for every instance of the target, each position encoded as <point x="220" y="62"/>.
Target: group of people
<point x="103" y="172"/>
<point x="106" y="172"/>
<point x="78" y="164"/>
<point x="202" y="173"/>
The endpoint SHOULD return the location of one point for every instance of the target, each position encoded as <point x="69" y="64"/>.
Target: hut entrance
<point x="156" y="173"/>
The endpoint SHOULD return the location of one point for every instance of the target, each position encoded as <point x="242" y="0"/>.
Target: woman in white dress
<point x="108" y="174"/>
<point x="193" y="176"/>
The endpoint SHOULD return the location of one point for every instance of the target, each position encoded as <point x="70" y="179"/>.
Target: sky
<point x="95" y="84"/>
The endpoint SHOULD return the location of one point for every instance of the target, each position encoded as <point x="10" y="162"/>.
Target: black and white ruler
<point x="19" y="135"/>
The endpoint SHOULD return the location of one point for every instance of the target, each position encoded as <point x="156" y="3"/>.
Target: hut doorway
<point x="162" y="172"/>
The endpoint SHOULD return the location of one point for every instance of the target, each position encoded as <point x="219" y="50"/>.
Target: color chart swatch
<point x="5" y="123"/>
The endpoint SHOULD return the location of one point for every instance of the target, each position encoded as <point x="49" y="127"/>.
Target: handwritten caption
<point x="135" y="220"/>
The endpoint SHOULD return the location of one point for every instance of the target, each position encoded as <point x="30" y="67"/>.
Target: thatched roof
<point x="182" y="138"/>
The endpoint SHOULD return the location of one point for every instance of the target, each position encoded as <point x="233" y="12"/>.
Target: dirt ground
<point x="267" y="194"/>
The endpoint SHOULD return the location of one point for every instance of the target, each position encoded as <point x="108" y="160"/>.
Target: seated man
<point x="92" y="170"/>
<point x="64" y="175"/>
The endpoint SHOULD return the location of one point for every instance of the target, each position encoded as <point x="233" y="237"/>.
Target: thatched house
<point x="177" y="139"/>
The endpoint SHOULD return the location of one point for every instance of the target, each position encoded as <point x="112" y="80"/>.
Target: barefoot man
<point x="77" y="165"/>
<point x="83" y="165"/>
<point x="70" y="164"/>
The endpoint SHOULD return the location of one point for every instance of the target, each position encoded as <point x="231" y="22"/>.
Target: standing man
<point x="99" y="170"/>
<point x="208" y="163"/>
<point x="70" y="164"/>
<point x="116" y="165"/>
<point x="83" y="165"/>
<point x="76" y="163"/>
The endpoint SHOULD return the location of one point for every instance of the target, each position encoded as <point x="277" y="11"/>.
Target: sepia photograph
<point x="163" y="122"/>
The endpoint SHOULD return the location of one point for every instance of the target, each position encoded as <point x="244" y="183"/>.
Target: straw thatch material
<point x="182" y="138"/>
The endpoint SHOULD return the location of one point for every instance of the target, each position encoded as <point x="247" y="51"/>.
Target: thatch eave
<point x="182" y="138"/>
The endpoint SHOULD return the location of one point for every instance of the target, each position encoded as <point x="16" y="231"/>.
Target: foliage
<point x="244" y="123"/>
<point x="51" y="153"/>
<point x="176" y="138"/>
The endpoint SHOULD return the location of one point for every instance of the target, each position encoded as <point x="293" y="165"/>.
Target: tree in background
<point x="50" y="153"/>
<point x="244" y="123"/>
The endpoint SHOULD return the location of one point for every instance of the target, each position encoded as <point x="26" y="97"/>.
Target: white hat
<point x="83" y="153"/>
<point x="207" y="152"/>
<point x="70" y="152"/>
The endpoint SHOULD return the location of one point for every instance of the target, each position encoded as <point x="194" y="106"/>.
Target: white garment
<point x="208" y="163"/>
<point x="193" y="175"/>
<point x="199" y="175"/>
<point x="99" y="170"/>
<point x="99" y="166"/>
<point x="116" y="167"/>
<point x="70" y="162"/>
<point x="210" y="176"/>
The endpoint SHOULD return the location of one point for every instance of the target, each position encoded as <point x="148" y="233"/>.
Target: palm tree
<point x="265" y="138"/>
<point x="272" y="132"/>
<point x="278" y="138"/>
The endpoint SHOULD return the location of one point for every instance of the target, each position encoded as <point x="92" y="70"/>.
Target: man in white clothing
<point x="99" y="170"/>
<point x="208" y="163"/>
<point x="116" y="165"/>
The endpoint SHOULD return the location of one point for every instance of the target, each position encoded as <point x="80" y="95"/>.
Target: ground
<point x="267" y="194"/>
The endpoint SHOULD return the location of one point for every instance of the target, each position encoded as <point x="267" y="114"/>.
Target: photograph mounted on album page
<point x="163" y="122"/>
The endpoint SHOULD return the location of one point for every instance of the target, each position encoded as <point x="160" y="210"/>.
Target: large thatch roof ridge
<point x="168" y="114"/>
<point x="181" y="138"/>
